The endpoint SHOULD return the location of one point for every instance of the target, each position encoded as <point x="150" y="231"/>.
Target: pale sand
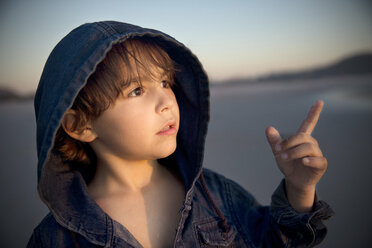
<point x="236" y="146"/>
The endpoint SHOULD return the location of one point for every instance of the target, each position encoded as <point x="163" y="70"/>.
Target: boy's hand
<point x="300" y="160"/>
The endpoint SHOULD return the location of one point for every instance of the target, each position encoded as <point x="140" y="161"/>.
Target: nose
<point x="165" y="100"/>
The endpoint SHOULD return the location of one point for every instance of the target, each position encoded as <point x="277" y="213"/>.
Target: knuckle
<point x="313" y="148"/>
<point x="307" y="137"/>
<point x="325" y="162"/>
<point x="291" y="141"/>
<point x="313" y="140"/>
<point x="317" y="150"/>
<point x="294" y="153"/>
<point x="278" y="157"/>
<point x="303" y="135"/>
<point x="285" y="143"/>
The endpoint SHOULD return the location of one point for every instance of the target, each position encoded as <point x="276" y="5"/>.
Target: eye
<point x="165" y="84"/>
<point x="136" y="92"/>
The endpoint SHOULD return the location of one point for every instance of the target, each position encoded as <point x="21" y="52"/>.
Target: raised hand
<point x="300" y="160"/>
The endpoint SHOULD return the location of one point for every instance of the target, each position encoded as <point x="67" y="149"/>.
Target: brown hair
<point x="126" y="62"/>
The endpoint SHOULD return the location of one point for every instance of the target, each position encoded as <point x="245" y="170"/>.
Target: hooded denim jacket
<point x="216" y="212"/>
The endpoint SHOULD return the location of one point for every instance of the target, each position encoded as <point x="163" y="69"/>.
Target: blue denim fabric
<point x="75" y="220"/>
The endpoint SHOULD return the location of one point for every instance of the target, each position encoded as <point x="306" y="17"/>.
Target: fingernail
<point x="278" y="148"/>
<point x="306" y="160"/>
<point x="284" y="156"/>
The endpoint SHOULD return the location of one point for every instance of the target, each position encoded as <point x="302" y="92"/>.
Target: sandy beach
<point x="236" y="146"/>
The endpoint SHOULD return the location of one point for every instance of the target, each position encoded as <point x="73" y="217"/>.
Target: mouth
<point x="168" y="129"/>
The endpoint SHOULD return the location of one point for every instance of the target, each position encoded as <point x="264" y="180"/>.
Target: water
<point x="236" y="146"/>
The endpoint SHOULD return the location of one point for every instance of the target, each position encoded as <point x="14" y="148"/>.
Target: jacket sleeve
<point x="263" y="226"/>
<point x="301" y="229"/>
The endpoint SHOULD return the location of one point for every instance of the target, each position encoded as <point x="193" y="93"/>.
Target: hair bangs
<point x="146" y="61"/>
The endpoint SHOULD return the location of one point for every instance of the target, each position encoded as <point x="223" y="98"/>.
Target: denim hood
<point x="72" y="61"/>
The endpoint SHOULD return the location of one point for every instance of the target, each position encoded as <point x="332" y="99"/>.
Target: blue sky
<point x="231" y="38"/>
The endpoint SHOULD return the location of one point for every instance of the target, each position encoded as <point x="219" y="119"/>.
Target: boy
<point x="122" y="116"/>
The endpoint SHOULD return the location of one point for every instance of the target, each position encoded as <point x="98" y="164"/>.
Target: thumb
<point x="273" y="137"/>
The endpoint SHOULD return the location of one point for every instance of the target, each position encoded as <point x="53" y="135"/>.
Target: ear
<point x="81" y="133"/>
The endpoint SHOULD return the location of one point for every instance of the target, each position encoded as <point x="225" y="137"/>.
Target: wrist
<point x="301" y="199"/>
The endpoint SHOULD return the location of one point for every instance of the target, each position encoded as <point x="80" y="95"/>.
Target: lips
<point x="165" y="129"/>
<point x="168" y="129"/>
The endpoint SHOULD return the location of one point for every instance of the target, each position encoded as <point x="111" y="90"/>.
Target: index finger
<point x="312" y="118"/>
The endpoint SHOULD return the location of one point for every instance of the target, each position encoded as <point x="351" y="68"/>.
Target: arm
<point x="295" y="205"/>
<point x="300" y="160"/>
<point x="278" y="225"/>
<point x="299" y="229"/>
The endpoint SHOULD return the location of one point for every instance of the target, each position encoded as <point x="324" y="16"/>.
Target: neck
<point x="116" y="175"/>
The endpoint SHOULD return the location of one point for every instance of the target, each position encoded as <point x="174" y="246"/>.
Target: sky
<point x="232" y="39"/>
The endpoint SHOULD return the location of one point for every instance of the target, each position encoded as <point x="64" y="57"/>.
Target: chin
<point x="167" y="152"/>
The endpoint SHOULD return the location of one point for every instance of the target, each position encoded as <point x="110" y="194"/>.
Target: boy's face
<point x="142" y="124"/>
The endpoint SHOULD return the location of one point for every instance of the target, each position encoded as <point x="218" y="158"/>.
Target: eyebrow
<point x="139" y="79"/>
<point x="144" y="78"/>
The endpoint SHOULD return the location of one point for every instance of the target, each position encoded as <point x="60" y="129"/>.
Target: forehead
<point x="149" y="73"/>
<point x="137" y="61"/>
<point x="145" y="68"/>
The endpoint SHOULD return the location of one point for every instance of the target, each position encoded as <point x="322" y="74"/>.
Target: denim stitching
<point x="233" y="213"/>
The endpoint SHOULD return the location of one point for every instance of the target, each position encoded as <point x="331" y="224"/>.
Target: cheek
<point x="128" y="126"/>
<point x="130" y="123"/>
<point x="122" y="136"/>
